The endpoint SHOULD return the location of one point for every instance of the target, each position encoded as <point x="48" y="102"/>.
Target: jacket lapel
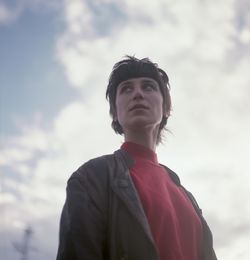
<point x="124" y="188"/>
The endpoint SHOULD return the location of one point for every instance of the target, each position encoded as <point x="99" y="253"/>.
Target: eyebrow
<point x="148" y="81"/>
<point x="127" y="82"/>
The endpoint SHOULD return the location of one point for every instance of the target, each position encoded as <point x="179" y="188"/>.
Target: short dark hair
<point x="131" y="67"/>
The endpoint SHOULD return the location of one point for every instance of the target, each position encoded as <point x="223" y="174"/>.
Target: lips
<point x="138" y="106"/>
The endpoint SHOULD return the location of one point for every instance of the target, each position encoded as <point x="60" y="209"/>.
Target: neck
<point x="145" y="138"/>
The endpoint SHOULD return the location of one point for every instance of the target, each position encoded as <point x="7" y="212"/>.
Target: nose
<point x="138" y="93"/>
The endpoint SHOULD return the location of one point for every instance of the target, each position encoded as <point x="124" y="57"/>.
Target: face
<point x="139" y="104"/>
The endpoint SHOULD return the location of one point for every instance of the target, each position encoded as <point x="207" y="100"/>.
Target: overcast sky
<point x="55" y="59"/>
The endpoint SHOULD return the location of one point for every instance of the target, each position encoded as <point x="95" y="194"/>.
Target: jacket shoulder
<point x="96" y="168"/>
<point x="173" y="175"/>
<point x="98" y="162"/>
<point x="176" y="179"/>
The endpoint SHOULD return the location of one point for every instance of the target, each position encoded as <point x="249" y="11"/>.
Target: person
<point x="127" y="205"/>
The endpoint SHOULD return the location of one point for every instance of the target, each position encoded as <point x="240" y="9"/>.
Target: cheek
<point x="118" y="109"/>
<point x="159" y="104"/>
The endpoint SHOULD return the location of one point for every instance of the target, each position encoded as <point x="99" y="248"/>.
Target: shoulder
<point x="173" y="175"/>
<point x="91" y="180"/>
<point x="96" y="169"/>
<point x="98" y="163"/>
<point x="177" y="181"/>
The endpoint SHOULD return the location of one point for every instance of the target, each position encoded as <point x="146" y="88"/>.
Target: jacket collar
<point x="128" y="162"/>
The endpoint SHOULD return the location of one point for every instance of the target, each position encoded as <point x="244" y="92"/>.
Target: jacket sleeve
<point x="82" y="226"/>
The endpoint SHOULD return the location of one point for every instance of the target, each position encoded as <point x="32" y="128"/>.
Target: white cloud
<point x="245" y="36"/>
<point x="78" y="17"/>
<point x="23" y="147"/>
<point x="8" y="15"/>
<point x="163" y="30"/>
<point x="6" y="198"/>
<point x="13" y="154"/>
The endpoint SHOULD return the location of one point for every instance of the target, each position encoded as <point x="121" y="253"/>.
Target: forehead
<point x="138" y="80"/>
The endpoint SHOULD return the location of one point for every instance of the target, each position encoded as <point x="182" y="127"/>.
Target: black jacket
<point x="103" y="219"/>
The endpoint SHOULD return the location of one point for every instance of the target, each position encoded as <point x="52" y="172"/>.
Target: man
<point x="126" y="205"/>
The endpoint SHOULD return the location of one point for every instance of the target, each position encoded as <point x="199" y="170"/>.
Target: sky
<point x="56" y="56"/>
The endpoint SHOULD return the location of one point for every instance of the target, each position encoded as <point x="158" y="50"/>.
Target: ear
<point x="166" y="113"/>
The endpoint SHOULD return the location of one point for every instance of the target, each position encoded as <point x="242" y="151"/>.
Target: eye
<point x="149" y="86"/>
<point x="126" y="89"/>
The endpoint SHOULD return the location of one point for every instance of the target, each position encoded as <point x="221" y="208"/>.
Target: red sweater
<point x="174" y="224"/>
